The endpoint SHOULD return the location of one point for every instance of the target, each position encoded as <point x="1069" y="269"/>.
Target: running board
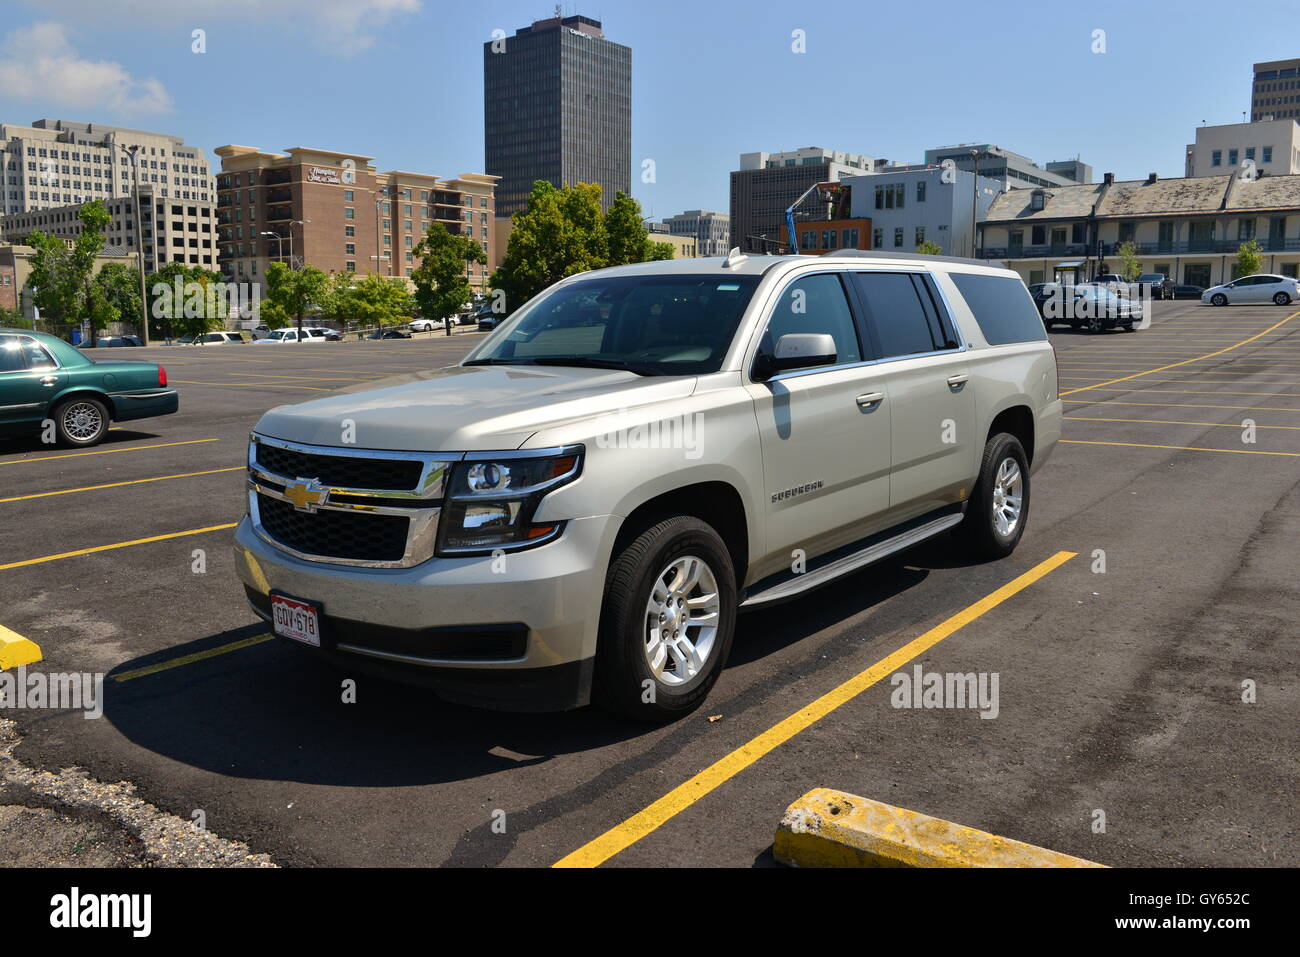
<point x="792" y="587"/>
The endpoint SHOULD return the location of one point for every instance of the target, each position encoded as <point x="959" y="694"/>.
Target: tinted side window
<point x="37" y="357"/>
<point x="1002" y="307"/>
<point x="900" y="320"/>
<point x="815" y="304"/>
<point x="11" y="354"/>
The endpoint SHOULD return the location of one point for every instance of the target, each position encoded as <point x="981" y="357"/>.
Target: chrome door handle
<point x="49" y="380"/>
<point x="870" y="399"/>
<point x="957" y="381"/>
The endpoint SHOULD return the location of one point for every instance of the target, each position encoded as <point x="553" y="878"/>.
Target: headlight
<point x="492" y="498"/>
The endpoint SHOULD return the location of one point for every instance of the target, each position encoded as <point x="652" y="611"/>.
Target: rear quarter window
<point x="1002" y="308"/>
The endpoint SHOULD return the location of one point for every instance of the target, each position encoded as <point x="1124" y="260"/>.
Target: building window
<point x="808" y="239"/>
<point x="898" y="236"/>
<point x="349" y="213"/>
<point x="349" y="249"/>
<point x="920" y="191"/>
<point x="877" y="238"/>
<point x="350" y="266"/>
<point x="349" y="230"/>
<point x="920" y="235"/>
<point x="347" y="196"/>
<point x="1250" y="152"/>
<point x="1267" y="156"/>
<point x="1232" y="157"/>
<point x="850" y="240"/>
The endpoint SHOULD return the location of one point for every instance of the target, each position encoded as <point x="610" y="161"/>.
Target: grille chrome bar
<point x="424" y="497"/>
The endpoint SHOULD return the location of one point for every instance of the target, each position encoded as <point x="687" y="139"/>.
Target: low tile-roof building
<point x="1189" y="228"/>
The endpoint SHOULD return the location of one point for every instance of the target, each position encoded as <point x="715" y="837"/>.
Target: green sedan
<point x="45" y="380"/>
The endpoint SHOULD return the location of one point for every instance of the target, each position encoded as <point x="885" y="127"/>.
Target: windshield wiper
<point x="493" y="361"/>
<point x="591" y="362"/>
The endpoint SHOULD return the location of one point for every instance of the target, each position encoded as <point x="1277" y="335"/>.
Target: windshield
<point x="651" y="325"/>
<point x="277" y="334"/>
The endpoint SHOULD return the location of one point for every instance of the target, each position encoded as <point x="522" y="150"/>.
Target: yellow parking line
<point x="1179" y="448"/>
<point x="684" y="795"/>
<point x="95" y="488"/>
<point x="1217" y="425"/>
<point x="133" y="448"/>
<point x="1184" y="405"/>
<point x="190" y="659"/>
<point x="1174" y="365"/>
<point x="308" y="378"/>
<point x="1191" y="391"/>
<point x="105" y="548"/>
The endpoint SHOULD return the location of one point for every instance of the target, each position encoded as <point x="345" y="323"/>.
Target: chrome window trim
<point x="814" y="370"/>
<point x="58" y="366"/>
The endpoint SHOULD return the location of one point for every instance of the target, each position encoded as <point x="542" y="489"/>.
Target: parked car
<point x="114" y="342"/>
<point x="424" y="325"/>
<point x="389" y="334"/>
<point x="1109" y="280"/>
<point x="310" y="334"/>
<point x="628" y="555"/>
<point x="42" y="377"/>
<point x="1254" y="289"/>
<point x="1149" y="283"/>
<point x="1188" y="292"/>
<point x="218" y="339"/>
<point x="1092" y="307"/>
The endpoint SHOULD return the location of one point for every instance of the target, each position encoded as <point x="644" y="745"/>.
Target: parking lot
<point x="1175" y="496"/>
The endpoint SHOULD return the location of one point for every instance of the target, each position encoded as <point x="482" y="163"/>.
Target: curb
<point x="829" y="828"/>
<point x="15" y="650"/>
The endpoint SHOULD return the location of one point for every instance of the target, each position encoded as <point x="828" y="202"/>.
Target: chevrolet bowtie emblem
<point x="306" y="494"/>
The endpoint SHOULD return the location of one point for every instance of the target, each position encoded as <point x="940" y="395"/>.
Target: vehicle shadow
<point x="275" y="712"/>
<point x="21" y="444"/>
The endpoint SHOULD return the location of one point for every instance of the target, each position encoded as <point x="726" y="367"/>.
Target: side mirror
<point x="797" y="350"/>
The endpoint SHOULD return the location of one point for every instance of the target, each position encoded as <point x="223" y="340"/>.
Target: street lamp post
<point x="293" y="223"/>
<point x="279" y="249"/>
<point x="974" y="196"/>
<point x="139" y="238"/>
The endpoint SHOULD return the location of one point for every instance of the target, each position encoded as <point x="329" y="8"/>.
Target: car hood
<point x="466" y="408"/>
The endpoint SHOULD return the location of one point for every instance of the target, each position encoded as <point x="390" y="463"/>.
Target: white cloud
<point x="343" y="27"/>
<point x="39" y="63"/>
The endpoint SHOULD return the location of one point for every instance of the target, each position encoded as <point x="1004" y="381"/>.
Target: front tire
<point x="999" y="505"/>
<point x="81" y="422"/>
<point x="1096" y="325"/>
<point x="667" y="621"/>
<point x="1219" y="299"/>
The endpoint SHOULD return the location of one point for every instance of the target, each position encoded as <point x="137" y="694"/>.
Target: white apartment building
<point x="56" y="163"/>
<point x="1272" y="146"/>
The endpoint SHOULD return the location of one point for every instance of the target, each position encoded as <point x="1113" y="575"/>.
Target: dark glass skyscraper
<point x="557" y="105"/>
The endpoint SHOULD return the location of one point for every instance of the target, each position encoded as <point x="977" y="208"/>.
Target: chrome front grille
<point x="377" y="509"/>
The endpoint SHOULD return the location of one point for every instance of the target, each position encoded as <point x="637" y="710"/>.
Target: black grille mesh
<point x="341" y="471"/>
<point x="332" y="534"/>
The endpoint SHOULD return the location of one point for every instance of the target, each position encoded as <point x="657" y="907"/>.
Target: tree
<point x="368" y="300"/>
<point x="120" y="286"/>
<point x="1130" y="266"/>
<point x="563" y="232"/>
<point x="441" y="285"/>
<point x="295" y="290"/>
<point x="1249" y="261"/>
<point x="928" y="248"/>
<point x="61" y="272"/>
<point x="195" y="309"/>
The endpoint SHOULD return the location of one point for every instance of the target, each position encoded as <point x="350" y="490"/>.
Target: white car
<point x="218" y="339"/>
<point x="1262" y="288"/>
<point x="424" y="325"/>
<point x="309" y="334"/>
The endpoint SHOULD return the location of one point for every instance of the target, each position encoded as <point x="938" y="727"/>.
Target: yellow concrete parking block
<point x="828" y="828"/>
<point x="15" y="650"/>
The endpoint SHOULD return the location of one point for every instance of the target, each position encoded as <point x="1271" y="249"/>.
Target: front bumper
<point x="516" y="632"/>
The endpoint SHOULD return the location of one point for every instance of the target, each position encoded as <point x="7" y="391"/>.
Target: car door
<point x="824" y="431"/>
<point x="924" y="369"/>
<point x="29" y="377"/>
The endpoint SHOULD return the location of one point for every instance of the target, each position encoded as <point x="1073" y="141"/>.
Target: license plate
<point x="298" y="620"/>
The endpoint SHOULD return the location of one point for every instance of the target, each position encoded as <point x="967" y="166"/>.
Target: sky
<point x="402" y="80"/>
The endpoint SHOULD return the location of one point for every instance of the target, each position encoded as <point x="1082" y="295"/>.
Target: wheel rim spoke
<point x="683" y="612"/>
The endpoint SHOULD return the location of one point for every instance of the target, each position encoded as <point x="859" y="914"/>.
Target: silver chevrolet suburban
<point x="579" y="509"/>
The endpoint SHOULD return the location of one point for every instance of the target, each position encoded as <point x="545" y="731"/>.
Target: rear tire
<point x="1096" y="325"/>
<point x="81" y="422"/>
<point x="1282" y="299"/>
<point x="999" y="504"/>
<point x="651" y="664"/>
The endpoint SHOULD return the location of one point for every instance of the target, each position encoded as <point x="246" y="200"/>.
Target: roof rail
<point x="883" y="254"/>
